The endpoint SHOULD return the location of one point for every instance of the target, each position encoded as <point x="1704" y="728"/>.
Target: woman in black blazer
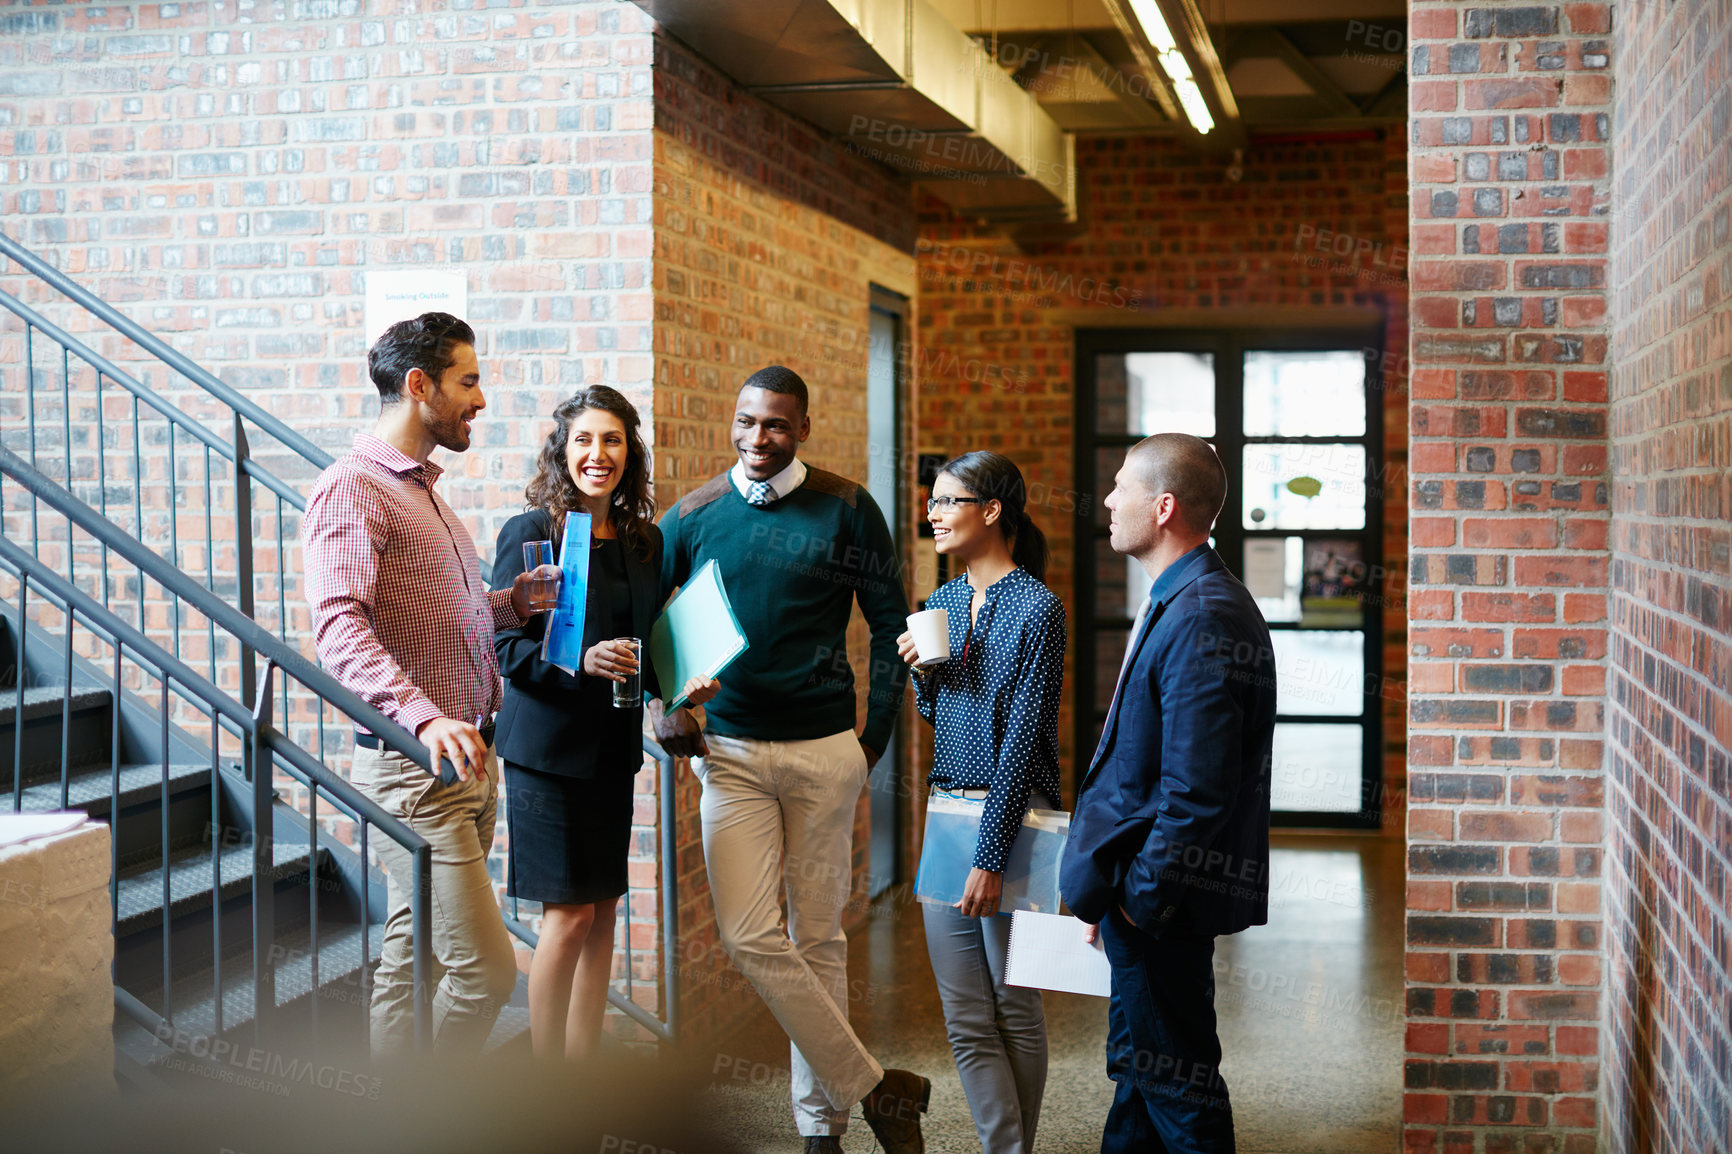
<point x="569" y="755"/>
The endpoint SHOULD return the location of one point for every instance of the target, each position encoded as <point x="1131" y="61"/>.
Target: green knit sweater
<point x="792" y="571"/>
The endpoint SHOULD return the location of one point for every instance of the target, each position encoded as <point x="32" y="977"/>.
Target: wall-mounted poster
<point x="1335" y="583"/>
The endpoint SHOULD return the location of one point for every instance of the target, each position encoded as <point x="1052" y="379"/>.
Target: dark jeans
<point x="1162" y="1048"/>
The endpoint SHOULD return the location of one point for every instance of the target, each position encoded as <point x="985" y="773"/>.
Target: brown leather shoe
<point x="893" y="1110"/>
<point x="823" y="1144"/>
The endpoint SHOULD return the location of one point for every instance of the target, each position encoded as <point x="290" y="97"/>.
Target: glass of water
<point x="544" y="575"/>
<point x="628" y="694"/>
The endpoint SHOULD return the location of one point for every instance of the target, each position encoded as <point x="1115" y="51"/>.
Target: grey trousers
<point x="997" y="1032"/>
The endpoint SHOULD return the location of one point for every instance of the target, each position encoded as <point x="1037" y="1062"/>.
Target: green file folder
<point x="697" y="635"/>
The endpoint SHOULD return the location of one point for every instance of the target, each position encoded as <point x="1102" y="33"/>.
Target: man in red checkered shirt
<point x="402" y="617"/>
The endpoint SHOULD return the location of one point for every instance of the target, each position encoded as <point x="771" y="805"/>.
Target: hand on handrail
<point x="458" y="741"/>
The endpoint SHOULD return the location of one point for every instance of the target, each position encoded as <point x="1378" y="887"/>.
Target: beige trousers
<point x="474" y="969"/>
<point x="791" y="802"/>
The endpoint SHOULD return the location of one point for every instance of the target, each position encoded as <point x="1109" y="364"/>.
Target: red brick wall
<point x="229" y="178"/>
<point x="768" y="240"/>
<point x="1167" y="233"/>
<point x="1668" y="1044"/>
<point x="1510" y="189"/>
<point x="229" y="175"/>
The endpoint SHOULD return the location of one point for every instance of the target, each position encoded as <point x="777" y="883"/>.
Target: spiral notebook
<point x="1047" y="952"/>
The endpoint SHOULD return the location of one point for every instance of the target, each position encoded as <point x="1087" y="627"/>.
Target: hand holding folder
<point x="697" y="635"/>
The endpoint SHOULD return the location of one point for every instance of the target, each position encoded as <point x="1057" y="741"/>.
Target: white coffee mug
<point x="931" y="630"/>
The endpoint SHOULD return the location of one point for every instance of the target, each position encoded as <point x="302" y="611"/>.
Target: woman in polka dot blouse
<point x="994" y="711"/>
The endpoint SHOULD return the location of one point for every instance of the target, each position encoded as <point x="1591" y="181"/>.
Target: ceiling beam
<point x="1142" y="113"/>
<point x="1314" y="77"/>
<point x="1391" y="99"/>
<point x="1236" y="46"/>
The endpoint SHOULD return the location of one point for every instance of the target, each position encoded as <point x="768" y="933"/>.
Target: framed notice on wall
<point x="403" y="294"/>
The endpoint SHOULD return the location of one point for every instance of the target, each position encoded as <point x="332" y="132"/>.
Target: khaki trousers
<point x="474" y="968"/>
<point x="791" y="802"/>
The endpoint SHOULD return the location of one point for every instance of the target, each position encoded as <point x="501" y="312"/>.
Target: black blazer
<point x="541" y="723"/>
<point x="1172" y="818"/>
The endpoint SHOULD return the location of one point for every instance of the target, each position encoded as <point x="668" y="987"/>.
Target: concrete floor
<point x="1310" y="1008"/>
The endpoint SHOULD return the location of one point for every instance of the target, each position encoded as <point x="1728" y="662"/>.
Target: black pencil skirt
<point x="569" y="835"/>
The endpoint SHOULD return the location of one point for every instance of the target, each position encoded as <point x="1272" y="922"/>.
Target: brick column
<point x="1510" y="109"/>
<point x="1668" y="1044"/>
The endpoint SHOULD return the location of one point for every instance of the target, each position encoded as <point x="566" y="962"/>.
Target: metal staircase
<point x="149" y="595"/>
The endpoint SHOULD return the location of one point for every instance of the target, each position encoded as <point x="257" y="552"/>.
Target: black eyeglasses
<point x="949" y="504"/>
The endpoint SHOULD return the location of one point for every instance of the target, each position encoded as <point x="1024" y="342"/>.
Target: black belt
<point x="374" y="741"/>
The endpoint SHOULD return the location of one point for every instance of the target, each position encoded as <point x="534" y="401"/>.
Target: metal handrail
<point x="236" y="623"/>
<point x="149" y="397"/>
<point x="81" y="605"/>
<point x="298" y="761"/>
<point x="163" y="352"/>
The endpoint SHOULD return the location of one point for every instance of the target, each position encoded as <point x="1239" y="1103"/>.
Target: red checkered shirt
<point x="400" y="613"/>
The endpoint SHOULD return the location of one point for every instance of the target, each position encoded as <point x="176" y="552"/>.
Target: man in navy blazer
<point x="1169" y="844"/>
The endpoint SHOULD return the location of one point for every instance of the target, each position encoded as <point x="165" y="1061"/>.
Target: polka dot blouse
<point x="994" y="705"/>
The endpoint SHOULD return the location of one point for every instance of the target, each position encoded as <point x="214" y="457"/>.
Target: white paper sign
<point x="405" y="294"/>
<point x="1266" y="567"/>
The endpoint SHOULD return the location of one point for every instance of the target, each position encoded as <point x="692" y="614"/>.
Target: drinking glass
<point x="544" y="575"/>
<point x="628" y="694"/>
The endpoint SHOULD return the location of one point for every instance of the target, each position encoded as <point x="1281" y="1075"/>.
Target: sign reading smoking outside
<point x="401" y="295"/>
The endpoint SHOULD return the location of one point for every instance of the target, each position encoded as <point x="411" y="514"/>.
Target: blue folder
<point x="947" y="855"/>
<point x="562" y="645"/>
<point x="697" y="635"/>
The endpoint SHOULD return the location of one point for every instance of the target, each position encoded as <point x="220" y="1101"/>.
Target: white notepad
<point x="1047" y="952"/>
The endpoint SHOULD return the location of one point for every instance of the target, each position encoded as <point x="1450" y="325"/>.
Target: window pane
<point x="1274" y="573"/>
<point x="1121" y="583"/>
<point x="1318" y="767"/>
<point x="1319" y="673"/>
<point x="1304" y="486"/>
<point x="1305" y="394"/>
<point x="1143" y="393"/>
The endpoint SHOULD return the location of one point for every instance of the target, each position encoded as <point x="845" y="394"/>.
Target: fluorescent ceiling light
<point x="1154" y="25"/>
<point x="1173" y="63"/>
<point x="1191" y="100"/>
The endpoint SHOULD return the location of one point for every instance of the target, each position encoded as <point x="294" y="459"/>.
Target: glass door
<point x="1293" y="421"/>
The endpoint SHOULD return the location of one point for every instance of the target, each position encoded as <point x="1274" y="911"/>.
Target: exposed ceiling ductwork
<point x="900" y="83"/>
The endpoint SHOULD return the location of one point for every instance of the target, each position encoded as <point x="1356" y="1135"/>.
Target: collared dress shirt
<point x="782" y="483"/>
<point x="400" y="613"/>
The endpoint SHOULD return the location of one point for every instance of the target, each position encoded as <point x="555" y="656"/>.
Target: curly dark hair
<point x="553" y="489"/>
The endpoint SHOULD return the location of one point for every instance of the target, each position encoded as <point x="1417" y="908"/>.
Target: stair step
<point x="511" y="1028"/>
<point x="139" y="906"/>
<point x="340" y="962"/>
<point x="90" y="787"/>
<point x="48" y="701"/>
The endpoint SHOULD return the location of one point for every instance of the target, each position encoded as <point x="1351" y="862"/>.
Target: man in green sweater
<point x="781" y="767"/>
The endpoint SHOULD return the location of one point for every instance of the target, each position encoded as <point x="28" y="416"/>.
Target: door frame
<point x="1228" y="344"/>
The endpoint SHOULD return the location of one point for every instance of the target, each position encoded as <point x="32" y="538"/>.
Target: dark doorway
<point x="885" y="363"/>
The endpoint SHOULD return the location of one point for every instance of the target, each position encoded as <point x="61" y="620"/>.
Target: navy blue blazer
<point x="1172" y="818"/>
